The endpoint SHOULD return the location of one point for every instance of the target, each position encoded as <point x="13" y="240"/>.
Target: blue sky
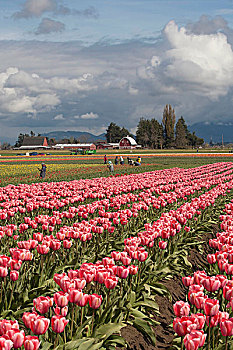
<point x="75" y="65"/>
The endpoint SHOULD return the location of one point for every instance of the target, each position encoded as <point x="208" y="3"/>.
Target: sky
<point x="80" y="65"/>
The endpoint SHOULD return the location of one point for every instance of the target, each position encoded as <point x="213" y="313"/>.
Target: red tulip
<point x="211" y="307"/>
<point x="194" y="340"/>
<point x="84" y="300"/>
<point x="3" y="271"/>
<point x="122" y="271"/>
<point x="75" y="296"/>
<point x="61" y="299"/>
<point x="17" y="337"/>
<point x="5" y="344"/>
<point x="180" y="325"/>
<point x="226" y="327"/>
<point x="58" y="323"/>
<point x="39" y="325"/>
<point x="181" y="308"/>
<point x="111" y="282"/>
<point x="14" y="275"/>
<point x="31" y="343"/>
<point x="95" y="301"/>
<point x="43" y="304"/>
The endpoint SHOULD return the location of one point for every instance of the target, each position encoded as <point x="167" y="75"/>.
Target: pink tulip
<point x="58" y="323"/>
<point x="39" y="325"/>
<point x="211" y="307"/>
<point x="95" y="301"/>
<point x="31" y="343"/>
<point x="194" y="340"/>
<point x="181" y="308"/>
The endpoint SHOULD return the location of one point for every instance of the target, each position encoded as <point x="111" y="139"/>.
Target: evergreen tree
<point x="19" y="142"/>
<point x="194" y="140"/>
<point x="143" y="132"/>
<point x="168" y="121"/>
<point x="115" y="133"/>
<point x="181" y="140"/>
<point x="156" y="134"/>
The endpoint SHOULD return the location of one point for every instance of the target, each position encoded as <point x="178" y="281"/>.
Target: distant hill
<point x="79" y="135"/>
<point x="213" y="131"/>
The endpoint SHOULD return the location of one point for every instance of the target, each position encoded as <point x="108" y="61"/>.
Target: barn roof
<point x="33" y="141"/>
<point x="131" y="140"/>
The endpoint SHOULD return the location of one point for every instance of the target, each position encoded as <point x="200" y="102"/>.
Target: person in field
<point x="116" y="160"/>
<point x="110" y="166"/>
<point x="121" y="160"/>
<point x="43" y="170"/>
<point x="105" y="159"/>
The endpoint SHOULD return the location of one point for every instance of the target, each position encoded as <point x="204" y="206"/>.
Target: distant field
<point x="60" y="166"/>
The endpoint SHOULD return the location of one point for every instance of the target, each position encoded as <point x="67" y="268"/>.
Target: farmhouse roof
<point x="33" y="141"/>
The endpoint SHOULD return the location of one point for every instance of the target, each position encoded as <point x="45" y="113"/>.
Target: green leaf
<point x="143" y="327"/>
<point x="106" y="330"/>
<point x="89" y="344"/>
<point x="148" y="303"/>
<point x="71" y="345"/>
<point x="46" y="346"/>
<point x="115" y="340"/>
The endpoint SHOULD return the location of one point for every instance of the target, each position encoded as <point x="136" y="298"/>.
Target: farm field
<point x="140" y="259"/>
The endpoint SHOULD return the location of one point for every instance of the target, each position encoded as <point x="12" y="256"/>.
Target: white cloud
<point x="90" y="115"/>
<point x="59" y="117"/>
<point x="203" y="62"/>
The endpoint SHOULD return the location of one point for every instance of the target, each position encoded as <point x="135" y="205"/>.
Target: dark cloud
<point x="48" y="26"/>
<point x="60" y="82"/>
<point x="207" y="25"/>
<point x="90" y="12"/>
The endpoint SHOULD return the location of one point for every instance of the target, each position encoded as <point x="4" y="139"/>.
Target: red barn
<point x="127" y="142"/>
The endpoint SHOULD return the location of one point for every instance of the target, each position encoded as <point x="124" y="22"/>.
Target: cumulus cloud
<point x="204" y="61"/>
<point x="48" y="26"/>
<point x="35" y="8"/>
<point x="90" y="115"/>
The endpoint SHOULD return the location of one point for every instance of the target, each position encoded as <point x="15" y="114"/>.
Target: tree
<point x="143" y="132"/>
<point x="5" y="145"/>
<point x="195" y="141"/>
<point x="168" y="121"/>
<point x="181" y="140"/>
<point x="19" y="142"/>
<point x="156" y="134"/>
<point x="115" y="133"/>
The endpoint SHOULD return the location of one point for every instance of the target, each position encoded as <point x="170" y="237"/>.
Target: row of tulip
<point x="210" y="297"/>
<point x="73" y="283"/>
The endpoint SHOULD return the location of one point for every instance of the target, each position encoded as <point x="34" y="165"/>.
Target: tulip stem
<point x="92" y="322"/>
<point x="182" y="343"/>
<point x="1" y="290"/>
<point x="209" y="334"/>
<point x="226" y="346"/>
<point x="65" y="335"/>
<point x="56" y="341"/>
<point x="72" y="322"/>
<point x="81" y="321"/>
<point x="11" y="297"/>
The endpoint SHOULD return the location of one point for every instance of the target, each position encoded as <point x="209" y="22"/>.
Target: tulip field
<point x="85" y="263"/>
